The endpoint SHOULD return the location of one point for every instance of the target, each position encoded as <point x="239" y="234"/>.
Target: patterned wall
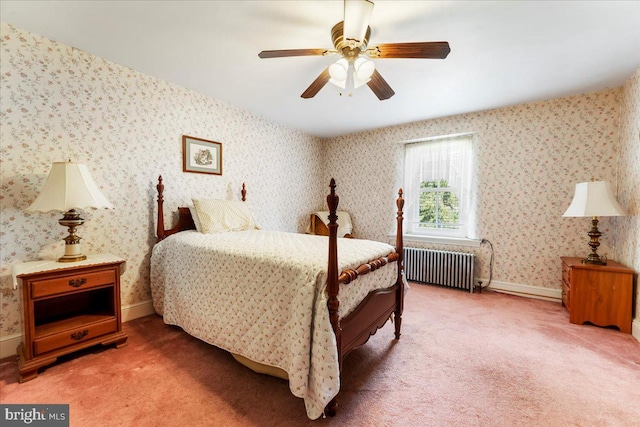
<point x="59" y="102"/>
<point x="628" y="230"/>
<point x="530" y="158"/>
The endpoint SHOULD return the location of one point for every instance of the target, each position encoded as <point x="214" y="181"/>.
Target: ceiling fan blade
<point x="317" y="84"/>
<point x="291" y="52"/>
<point x="427" y="50"/>
<point x="380" y="87"/>
<point x="357" y="14"/>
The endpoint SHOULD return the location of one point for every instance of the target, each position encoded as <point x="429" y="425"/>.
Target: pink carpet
<point x="463" y="360"/>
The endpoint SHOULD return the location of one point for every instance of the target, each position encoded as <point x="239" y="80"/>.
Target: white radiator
<point x="443" y="268"/>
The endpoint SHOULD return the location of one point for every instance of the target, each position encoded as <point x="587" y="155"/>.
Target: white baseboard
<point x="635" y="328"/>
<point x="9" y="343"/>
<point x="135" y="311"/>
<point x="528" y="291"/>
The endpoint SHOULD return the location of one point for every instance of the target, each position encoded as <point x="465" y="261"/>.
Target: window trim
<point x="440" y="240"/>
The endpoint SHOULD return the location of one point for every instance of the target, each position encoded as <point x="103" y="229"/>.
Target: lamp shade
<point x="69" y="186"/>
<point x="594" y="199"/>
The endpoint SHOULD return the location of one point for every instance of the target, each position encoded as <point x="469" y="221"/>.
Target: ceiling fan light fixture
<point x="363" y="69"/>
<point x="350" y="74"/>
<point x="357" y="14"/>
<point x="339" y="72"/>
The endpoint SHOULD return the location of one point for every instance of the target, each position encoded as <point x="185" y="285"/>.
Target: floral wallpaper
<point x="529" y="159"/>
<point x="628" y="231"/>
<point x="61" y="103"/>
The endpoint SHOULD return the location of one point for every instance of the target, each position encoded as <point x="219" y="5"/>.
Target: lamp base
<point x="72" y="252"/>
<point x="72" y="258"/>
<point x="594" y="261"/>
<point x="594" y="242"/>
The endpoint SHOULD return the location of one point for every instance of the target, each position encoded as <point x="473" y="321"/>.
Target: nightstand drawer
<point x="43" y="288"/>
<point x="73" y="336"/>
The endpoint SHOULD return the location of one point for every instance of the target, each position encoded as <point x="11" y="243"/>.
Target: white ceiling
<point x="502" y="52"/>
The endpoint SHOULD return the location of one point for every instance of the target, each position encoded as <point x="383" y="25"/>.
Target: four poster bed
<point x="274" y="299"/>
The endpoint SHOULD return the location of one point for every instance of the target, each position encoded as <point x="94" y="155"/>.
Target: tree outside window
<point x="439" y="205"/>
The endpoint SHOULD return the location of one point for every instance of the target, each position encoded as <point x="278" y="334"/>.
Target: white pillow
<point x="218" y="216"/>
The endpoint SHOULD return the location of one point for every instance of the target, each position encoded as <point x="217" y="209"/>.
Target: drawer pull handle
<point x="76" y="283"/>
<point x="79" y="335"/>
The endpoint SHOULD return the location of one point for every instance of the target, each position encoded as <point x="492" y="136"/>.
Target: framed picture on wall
<point x="201" y="156"/>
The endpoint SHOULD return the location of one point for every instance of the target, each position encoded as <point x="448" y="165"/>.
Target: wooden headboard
<point x="185" y="221"/>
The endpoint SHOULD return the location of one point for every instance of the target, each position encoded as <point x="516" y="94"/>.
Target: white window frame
<point x="415" y="174"/>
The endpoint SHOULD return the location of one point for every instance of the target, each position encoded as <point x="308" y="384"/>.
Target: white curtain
<point x="448" y="158"/>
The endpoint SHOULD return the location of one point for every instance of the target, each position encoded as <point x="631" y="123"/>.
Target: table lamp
<point x="594" y="199"/>
<point x="69" y="186"/>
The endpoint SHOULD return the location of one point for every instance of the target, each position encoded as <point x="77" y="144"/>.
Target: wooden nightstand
<point x="600" y="294"/>
<point x="68" y="307"/>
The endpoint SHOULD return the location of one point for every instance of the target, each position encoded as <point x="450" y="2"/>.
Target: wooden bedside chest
<point x="600" y="294"/>
<point x="68" y="307"/>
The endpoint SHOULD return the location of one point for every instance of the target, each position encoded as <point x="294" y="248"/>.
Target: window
<point x="438" y="191"/>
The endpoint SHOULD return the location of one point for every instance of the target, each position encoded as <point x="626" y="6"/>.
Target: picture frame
<point x="201" y="155"/>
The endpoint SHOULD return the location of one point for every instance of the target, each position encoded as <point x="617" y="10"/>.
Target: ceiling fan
<point x="354" y="69"/>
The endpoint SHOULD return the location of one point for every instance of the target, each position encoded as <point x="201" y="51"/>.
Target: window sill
<point x="456" y="241"/>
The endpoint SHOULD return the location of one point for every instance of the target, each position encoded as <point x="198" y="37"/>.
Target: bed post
<point x="160" y="226"/>
<point x="400" y="282"/>
<point x="244" y="193"/>
<point x="333" y="284"/>
<point x="332" y="268"/>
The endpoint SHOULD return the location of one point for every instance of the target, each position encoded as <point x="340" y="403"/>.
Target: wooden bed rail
<point x="349" y="275"/>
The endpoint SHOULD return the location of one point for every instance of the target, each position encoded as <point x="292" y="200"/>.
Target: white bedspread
<point x="261" y="294"/>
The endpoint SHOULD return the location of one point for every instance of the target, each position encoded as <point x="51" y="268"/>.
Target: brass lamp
<point x="69" y="186"/>
<point x="594" y="199"/>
